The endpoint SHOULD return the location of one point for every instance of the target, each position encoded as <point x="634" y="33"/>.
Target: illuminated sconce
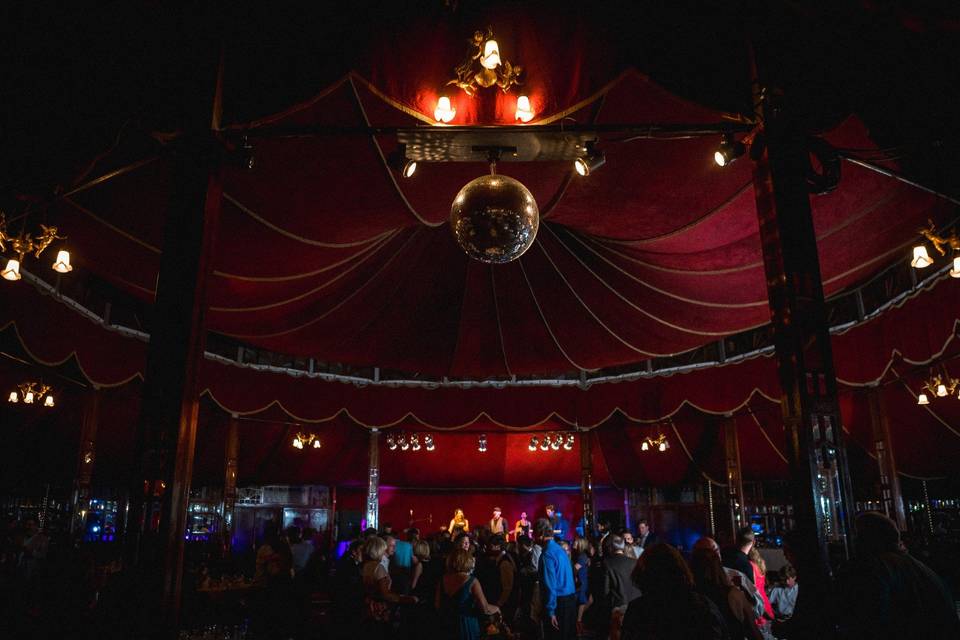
<point x="404" y="443"/>
<point x="62" y="263"/>
<point x="524" y="110"/>
<point x="308" y="440"/>
<point x="955" y="272"/>
<point x="491" y="55"/>
<point x="415" y="442"/>
<point x="297" y="443"/>
<point x="428" y="442"/>
<point x="568" y="445"/>
<point x="941" y="390"/>
<point x="534" y="442"/>
<point x="444" y="111"/>
<point x="545" y="444"/>
<point x="482" y="443"/>
<point x="48" y="401"/>
<point x="645" y="445"/>
<point x="921" y="259"/>
<point x="922" y="399"/>
<point x="13" y="397"/>
<point x="28" y="397"/>
<point x="391" y="443"/>
<point x="11" y="271"/>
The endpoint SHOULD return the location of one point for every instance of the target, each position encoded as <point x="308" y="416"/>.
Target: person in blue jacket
<point x="557" y="589"/>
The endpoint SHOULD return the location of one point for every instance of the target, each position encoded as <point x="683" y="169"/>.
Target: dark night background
<point x="76" y="75"/>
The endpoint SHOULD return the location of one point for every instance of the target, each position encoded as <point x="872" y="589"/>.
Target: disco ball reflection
<point x="494" y="219"/>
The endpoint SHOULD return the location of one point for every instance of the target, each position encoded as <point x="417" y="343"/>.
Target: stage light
<point x="532" y="446"/>
<point x="62" y="263"/>
<point x="491" y="55"/>
<point x="444" y="111"/>
<point x="922" y="399"/>
<point x="728" y="151"/>
<point x="482" y="443"/>
<point x="524" y="111"/>
<point x="12" y="271"/>
<point x="409" y="168"/>
<point x="590" y="161"/>
<point x="921" y="259"/>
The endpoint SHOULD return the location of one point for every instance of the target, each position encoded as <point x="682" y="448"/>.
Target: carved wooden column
<point x="231" y="455"/>
<point x="85" y="461"/>
<point x="890" y="494"/>
<point x="731" y="439"/>
<point x="373" y="481"/>
<point x="586" y="485"/>
<point x="815" y="449"/>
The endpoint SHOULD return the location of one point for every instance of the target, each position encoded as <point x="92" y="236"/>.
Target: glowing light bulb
<point x="28" y="397"/>
<point x="921" y="259"/>
<point x="663" y="446"/>
<point x="11" y="271"/>
<point x="13" y="397"/>
<point x="444" y="111"/>
<point x="62" y="263"/>
<point x="491" y="55"/>
<point x="955" y="272"/>
<point x="941" y="390"/>
<point x="48" y="401"/>
<point x="645" y="446"/>
<point x="524" y="111"/>
<point x="922" y="399"/>
<point x="532" y="446"/>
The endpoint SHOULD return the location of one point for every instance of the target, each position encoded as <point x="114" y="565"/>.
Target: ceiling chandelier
<point x="32" y="393"/>
<point x="24" y="244"/>
<point x="552" y="442"/>
<point x="940" y="385"/>
<point x="411" y="442"/>
<point x="306" y="441"/>
<point x="660" y="443"/>
<point x="921" y="259"/>
<point x="484" y="68"/>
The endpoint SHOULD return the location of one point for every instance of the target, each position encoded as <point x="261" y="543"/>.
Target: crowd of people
<point x="466" y="584"/>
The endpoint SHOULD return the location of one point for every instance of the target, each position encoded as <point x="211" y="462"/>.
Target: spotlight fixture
<point x="409" y="168"/>
<point x="552" y="442"/>
<point x="444" y="112"/>
<point x="590" y="161"/>
<point x="482" y="443"/>
<point x="659" y="443"/>
<point x="400" y="163"/>
<point x="410" y="442"/>
<point x="939" y="385"/>
<point x="922" y="259"/>
<point x="524" y="111"/>
<point x="26" y="244"/>
<point x="32" y="393"/>
<point x="306" y="441"/>
<point x="729" y="150"/>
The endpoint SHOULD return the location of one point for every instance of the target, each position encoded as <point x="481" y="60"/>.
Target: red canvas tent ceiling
<point x="324" y="251"/>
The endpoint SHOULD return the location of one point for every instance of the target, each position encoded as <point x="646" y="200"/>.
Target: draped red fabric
<point x="326" y="252"/>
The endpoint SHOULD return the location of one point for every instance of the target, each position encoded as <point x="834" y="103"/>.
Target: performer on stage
<point x="522" y="528"/>
<point x="497" y="523"/>
<point x="459" y="524"/>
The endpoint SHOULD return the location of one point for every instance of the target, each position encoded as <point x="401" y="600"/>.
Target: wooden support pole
<point x="373" y="481"/>
<point x="738" y="510"/>
<point x="231" y="461"/>
<point x="86" y="457"/>
<point x="586" y="485"/>
<point x="890" y="494"/>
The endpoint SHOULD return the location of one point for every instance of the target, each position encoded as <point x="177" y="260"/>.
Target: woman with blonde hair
<point x="760" y="580"/>
<point x="460" y="598"/>
<point x="379" y="599"/>
<point x="459" y="523"/>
